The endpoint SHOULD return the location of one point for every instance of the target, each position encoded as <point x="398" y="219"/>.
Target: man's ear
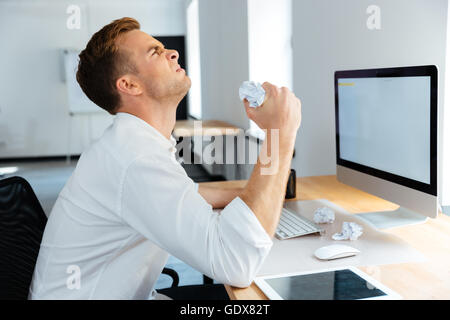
<point x="128" y="84"/>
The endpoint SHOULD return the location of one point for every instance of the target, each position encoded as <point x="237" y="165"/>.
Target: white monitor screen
<point x="384" y="123"/>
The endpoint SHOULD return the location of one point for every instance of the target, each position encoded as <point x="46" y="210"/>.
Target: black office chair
<point x="174" y="275"/>
<point x="196" y="292"/>
<point x="22" y="223"/>
<point x="206" y="291"/>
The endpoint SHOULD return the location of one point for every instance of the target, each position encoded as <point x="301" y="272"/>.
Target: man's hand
<point x="281" y="110"/>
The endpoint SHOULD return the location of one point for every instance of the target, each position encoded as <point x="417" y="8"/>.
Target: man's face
<point x="158" y="70"/>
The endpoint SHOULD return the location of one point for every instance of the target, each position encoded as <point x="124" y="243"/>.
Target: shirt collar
<point x="166" y="143"/>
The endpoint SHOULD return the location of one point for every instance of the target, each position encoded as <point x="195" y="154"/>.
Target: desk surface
<point x="427" y="280"/>
<point x="187" y="128"/>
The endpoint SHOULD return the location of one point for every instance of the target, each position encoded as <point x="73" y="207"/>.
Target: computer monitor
<point x="386" y="139"/>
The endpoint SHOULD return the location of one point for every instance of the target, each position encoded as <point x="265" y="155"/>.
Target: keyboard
<point x="292" y="225"/>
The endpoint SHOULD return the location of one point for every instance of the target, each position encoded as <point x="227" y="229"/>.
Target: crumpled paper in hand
<point x="324" y="215"/>
<point x="253" y="92"/>
<point x="350" y="231"/>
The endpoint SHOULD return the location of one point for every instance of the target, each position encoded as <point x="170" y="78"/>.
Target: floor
<point x="47" y="179"/>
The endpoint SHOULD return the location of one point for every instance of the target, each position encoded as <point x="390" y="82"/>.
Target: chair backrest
<point x="22" y="224"/>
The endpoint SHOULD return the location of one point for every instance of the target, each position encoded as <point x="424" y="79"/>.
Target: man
<point x="129" y="204"/>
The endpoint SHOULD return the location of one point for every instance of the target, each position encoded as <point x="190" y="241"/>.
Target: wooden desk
<point x="186" y="128"/>
<point x="427" y="280"/>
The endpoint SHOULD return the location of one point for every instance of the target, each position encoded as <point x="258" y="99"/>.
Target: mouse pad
<point x="297" y="254"/>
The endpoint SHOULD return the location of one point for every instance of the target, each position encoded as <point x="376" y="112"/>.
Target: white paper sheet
<point x="253" y="92"/>
<point x="297" y="254"/>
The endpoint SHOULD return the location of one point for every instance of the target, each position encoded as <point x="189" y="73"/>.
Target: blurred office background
<point x="293" y="43"/>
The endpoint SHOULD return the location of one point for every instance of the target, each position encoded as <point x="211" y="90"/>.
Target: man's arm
<point x="174" y="216"/>
<point x="280" y="116"/>
<point x="219" y="197"/>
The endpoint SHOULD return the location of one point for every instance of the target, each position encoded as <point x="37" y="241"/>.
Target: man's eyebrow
<point x="154" y="46"/>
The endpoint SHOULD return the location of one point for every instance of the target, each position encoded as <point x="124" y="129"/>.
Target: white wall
<point x="270" y="37"/>
<point x="270" y="45"/>
<point x="193" y="59"/>
<point x="33" y="100"/>
<point x="332" y="35"/>
<point x="224" y="59"/>
<point x="445" y="119"/>
<point x="241" y="40"/>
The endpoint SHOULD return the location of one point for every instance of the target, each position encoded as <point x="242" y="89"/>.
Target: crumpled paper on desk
<point x="253" y="92"/>
<point x="350" y="231"/>
<point x="324" y="215"/>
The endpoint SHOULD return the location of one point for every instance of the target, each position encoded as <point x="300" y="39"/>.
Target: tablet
<point x="348" y="283"/>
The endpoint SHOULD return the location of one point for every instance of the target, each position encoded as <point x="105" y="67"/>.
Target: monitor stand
<point x="391" y="219"/>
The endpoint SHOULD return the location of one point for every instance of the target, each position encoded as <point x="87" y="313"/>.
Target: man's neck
<point x="162" y="117"/>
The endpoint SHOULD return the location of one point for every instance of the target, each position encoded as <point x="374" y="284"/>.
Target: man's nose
<point x="172" y="54"/>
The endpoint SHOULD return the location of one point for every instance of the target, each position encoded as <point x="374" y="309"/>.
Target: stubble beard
<point x="176" y="90"/>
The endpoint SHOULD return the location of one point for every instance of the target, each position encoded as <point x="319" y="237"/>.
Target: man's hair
<point x="102" y="63"/>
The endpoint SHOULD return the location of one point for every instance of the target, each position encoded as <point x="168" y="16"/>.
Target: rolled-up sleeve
<point x="161" y="202"/>
<point x="245" y="243"/>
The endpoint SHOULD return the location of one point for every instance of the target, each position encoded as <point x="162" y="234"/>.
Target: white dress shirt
<point x="126" y="207"/>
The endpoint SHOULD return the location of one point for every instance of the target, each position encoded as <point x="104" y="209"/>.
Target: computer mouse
<point x="335" y="251"/>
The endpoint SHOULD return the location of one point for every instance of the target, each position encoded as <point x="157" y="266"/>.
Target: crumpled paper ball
<point x="253" y="92"/>
<point x="324" y="215"/>
<point x="350" y="231"/>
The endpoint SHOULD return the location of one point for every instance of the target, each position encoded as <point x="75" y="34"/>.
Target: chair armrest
<point x="174" y="275"/>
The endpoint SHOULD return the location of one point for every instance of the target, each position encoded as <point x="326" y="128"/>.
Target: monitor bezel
<point x="414" y="71"/>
